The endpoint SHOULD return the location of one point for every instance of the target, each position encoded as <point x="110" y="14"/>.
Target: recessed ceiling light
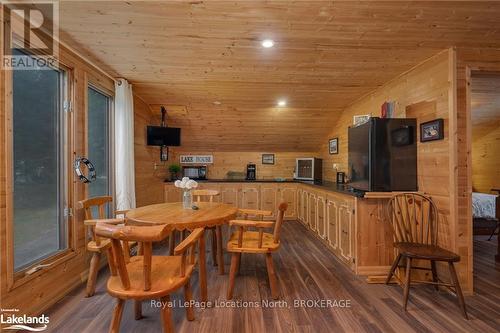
<point x="217" y="102"/>
<point x="267" y="43"/>
<point x="282" y="102"/>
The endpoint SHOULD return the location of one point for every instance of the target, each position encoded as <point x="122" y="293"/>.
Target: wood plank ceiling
<point x="326" y="55"/>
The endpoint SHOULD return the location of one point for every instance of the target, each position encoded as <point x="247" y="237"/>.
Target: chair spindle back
<point x="145" y="235"/>
<point x="88" y="205"/>
<point x="205" y="194"/>
<point x="414" y="218"/>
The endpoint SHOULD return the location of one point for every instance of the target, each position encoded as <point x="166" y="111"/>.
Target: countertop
<point x="325" y="185"/>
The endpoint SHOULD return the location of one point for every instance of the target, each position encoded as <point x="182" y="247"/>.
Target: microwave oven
<point x="309" y="169"/>
<point x="195" y="171"/>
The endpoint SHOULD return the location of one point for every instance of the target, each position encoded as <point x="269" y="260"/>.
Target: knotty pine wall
<point x="425" y="92"/>
<point x="284" y="163"/>
<point x="486" y="156"/>
<point x="150" y="172"/>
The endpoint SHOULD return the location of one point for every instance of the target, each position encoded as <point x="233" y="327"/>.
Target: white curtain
<point x="124" y="145"/>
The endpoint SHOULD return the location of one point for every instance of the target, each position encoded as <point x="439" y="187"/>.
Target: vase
<point x="187" y="199"/>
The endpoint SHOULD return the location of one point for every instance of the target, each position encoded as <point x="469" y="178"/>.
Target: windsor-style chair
<point x="414" y="219"/>
<point x="96" y="245"/>
<point x="244" y="241"/>
<point x="147" y="276"/>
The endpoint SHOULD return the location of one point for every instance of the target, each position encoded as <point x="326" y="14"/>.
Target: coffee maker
<point x="251" y="169"/>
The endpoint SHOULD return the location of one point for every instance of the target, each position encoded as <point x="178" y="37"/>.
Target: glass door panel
<point x="39" y="161"/>
<point x="98" y="142"/>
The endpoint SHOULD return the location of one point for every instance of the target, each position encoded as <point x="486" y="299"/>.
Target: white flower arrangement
<point x="186" y="184"/>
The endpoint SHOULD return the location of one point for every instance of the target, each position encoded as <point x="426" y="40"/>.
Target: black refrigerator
<point x="383" y="155"/>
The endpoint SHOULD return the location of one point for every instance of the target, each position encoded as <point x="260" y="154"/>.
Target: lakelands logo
<point x="31" y="34"/>
<point x="15" y="321"/>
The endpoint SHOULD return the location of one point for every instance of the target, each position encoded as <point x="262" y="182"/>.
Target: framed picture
<point x="333" y="146"/>
<point x="359" y="120"/>
<point x="163" y="153"/>
<point x="432" y="130"/>
<point x="267" y="158"/>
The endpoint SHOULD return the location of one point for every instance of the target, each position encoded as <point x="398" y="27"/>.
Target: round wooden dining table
<point x="208" y="214"/>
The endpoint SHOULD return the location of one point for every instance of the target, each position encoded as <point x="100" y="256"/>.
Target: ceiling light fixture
<point x="217" y="103"/>
<point x="267" y="43"/>
<point x="281" y="102"/>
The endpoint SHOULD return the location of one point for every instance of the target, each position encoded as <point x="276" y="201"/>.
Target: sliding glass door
<point x="39" y="165"/>
<point x="98" y="141"/>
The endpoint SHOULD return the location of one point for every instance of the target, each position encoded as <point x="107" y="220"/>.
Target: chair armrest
<point x="133" y="233"/>
<point x="188" y="241"/>
<point x="121" y="212"/>
<point x="256" y="212"/>
<point x="108" y="221"/>
<point x="250" y="223"/>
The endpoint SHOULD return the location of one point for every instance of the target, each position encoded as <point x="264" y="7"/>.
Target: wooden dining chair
<point x="258" y="242"/>
<point x="204" y="196"/>
<point x="96" y="245"/>
<point x="148" y="277"/>
<point x="414" y="220"/>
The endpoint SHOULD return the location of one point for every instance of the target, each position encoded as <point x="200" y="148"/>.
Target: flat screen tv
<point x="164" y="136"/>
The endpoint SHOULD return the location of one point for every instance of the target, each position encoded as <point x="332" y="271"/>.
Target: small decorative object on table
<point x="432" y="130"/>
<point x="187" y="185"/>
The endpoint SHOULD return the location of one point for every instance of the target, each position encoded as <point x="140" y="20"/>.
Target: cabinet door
<point x="249" y="197"/>
<point x="346" y="232"/>
<point x="333" y="225"/>
<point x="321" y="216"/>
<point x="299" y="205"/>
<point x="287" y="194"/>
<point x="268" y="194"/>
<point x="313" y="211"/>
<point x="229" y="194"/>
<point x="305" y="207"/>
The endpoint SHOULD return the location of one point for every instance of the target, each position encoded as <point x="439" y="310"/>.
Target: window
<point x="99" y="151"/>
<point x="39" y="165"/>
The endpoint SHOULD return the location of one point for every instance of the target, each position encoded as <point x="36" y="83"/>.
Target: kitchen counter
<point x="325" y="185"/>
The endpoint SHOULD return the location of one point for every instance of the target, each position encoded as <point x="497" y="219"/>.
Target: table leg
<point x="203" y="269"/>
<point x="220" y="257"/>
<point x="171" y="242"/>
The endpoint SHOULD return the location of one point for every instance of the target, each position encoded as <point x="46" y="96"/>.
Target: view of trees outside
<point x="98" y="142"/>
<point x="36" y="166"/>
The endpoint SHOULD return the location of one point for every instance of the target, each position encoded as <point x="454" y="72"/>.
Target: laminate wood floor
<point x="307" y="271"/>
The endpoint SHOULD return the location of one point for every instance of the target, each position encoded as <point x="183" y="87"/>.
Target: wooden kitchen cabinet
<point x="268" y="198"/>
<point x="321" y="215"/>
<point x="229" y="194"/>
<point x="313" y="218"/>
<point x="287" y="193"/>
<point x="249" y="196"/>
<point x="346" y="231"/>
<point x="332" y="223"/>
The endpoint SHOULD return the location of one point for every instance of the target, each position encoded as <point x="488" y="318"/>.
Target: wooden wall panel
<point x="486" y="157"/>
<point x="149" y="170"/>
<point x="485" y="116"/>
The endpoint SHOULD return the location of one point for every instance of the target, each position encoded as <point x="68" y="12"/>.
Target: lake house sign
<point x="197" y="159"/>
